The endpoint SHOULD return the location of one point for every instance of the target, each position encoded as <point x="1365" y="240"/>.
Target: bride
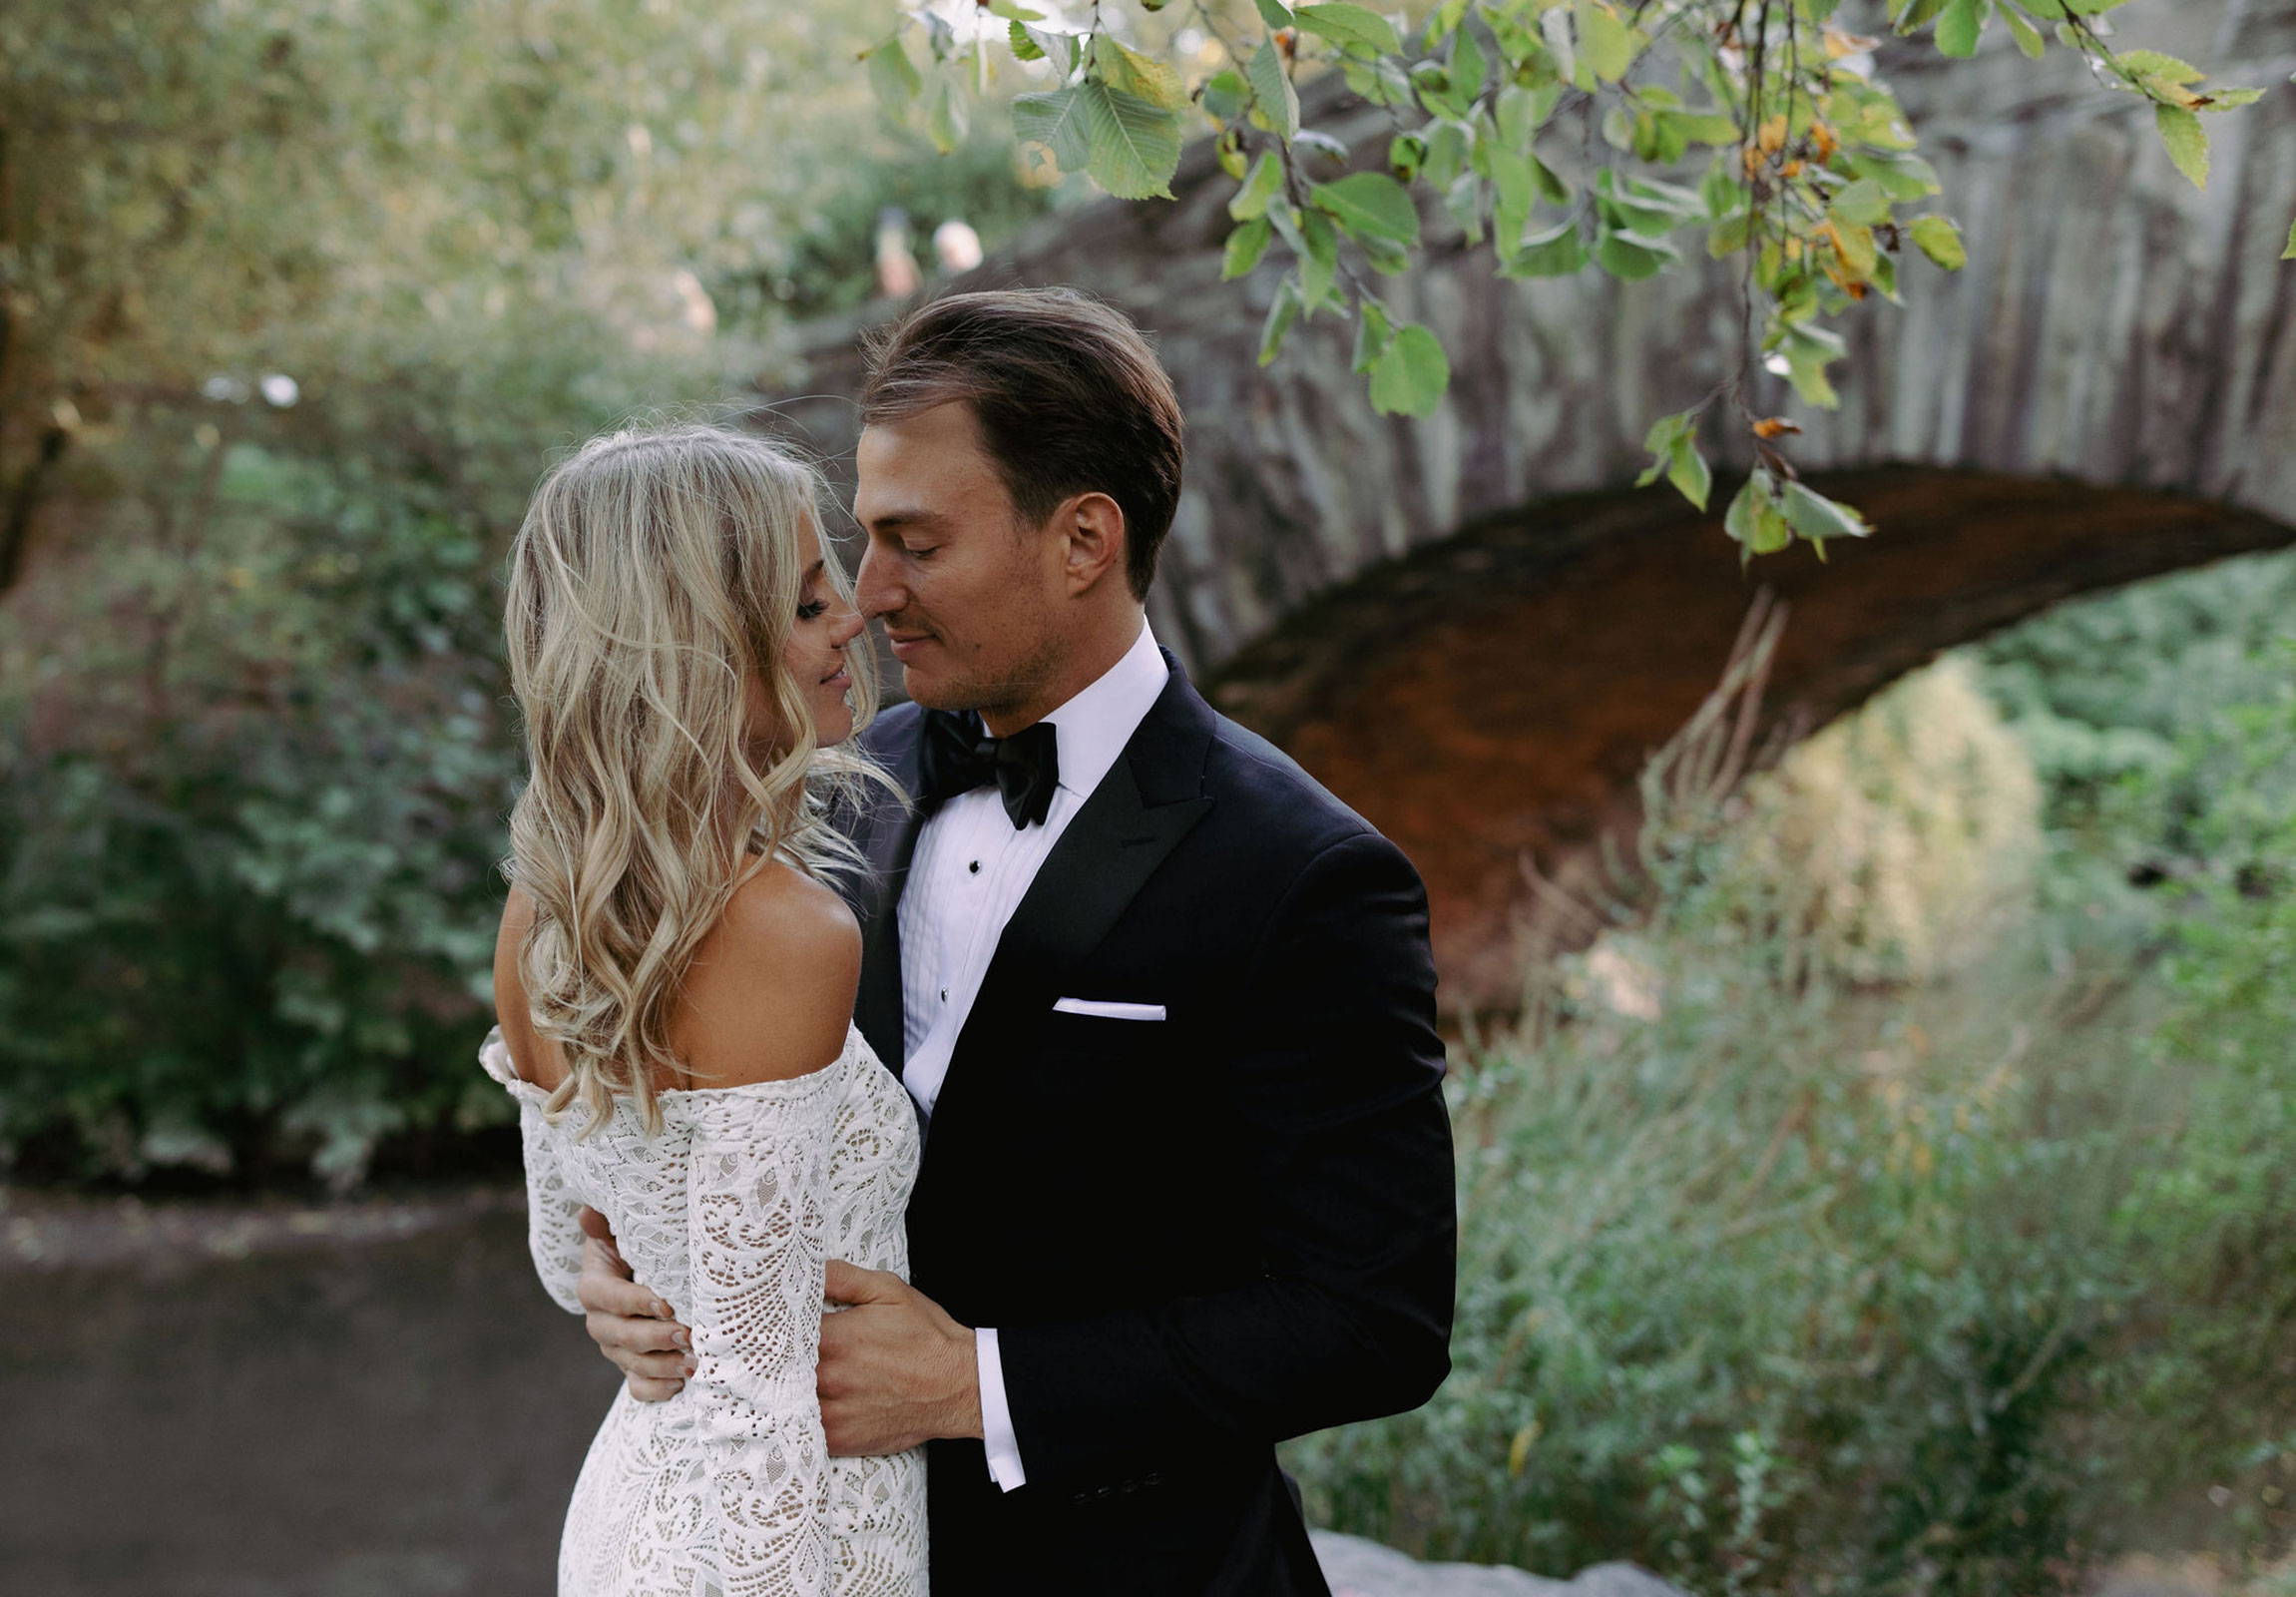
<point x="676" y="978"/>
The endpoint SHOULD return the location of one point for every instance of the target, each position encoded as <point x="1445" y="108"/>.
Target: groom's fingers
<point x="844" y="1283"/>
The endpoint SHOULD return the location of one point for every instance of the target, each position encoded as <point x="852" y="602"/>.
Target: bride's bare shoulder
<point x="769" y="994"/>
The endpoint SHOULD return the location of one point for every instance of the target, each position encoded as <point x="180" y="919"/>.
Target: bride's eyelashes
<point x="812" y="610"/>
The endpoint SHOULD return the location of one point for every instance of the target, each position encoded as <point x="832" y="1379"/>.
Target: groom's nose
<point x="875" y="594"/>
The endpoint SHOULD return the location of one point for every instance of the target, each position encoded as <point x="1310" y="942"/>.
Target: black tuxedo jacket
<point x="1199" y="1236"/>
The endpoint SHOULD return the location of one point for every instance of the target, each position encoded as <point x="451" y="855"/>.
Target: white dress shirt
<point x="969" y="873"/>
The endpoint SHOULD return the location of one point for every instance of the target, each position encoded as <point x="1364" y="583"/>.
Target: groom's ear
<point x="1092" y="541"/>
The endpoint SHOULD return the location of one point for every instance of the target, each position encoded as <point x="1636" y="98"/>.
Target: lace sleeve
<point x="553" y="1234"/>
<point x="754" y="1234"/>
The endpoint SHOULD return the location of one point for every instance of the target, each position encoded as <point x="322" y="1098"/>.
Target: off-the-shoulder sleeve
<point x="755" y="1204"/>
<point x="553" y="1233"/>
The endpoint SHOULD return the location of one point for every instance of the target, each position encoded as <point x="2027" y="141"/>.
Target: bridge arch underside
<point x="1492" y="699"/>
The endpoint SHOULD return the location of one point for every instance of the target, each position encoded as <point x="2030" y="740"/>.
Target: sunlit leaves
<point x="1813" y="158"/>
<point x="1754" y="520"/>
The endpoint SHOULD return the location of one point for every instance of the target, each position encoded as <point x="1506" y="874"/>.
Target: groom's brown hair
<point x="1068" y="397"/>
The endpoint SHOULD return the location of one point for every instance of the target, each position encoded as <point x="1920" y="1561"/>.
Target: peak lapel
<point x="890" y="844"/>
<point x="1152" y="797"/>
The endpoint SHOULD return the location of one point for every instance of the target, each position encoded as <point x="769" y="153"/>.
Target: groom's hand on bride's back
<point x="632" y="1326"/>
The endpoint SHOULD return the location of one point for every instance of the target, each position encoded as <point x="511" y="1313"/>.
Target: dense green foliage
<point x="1778" y="1284"/>
<point x="295" y="304"/>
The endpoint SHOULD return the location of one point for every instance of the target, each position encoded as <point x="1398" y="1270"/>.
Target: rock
<point x="1359" y="1568"/>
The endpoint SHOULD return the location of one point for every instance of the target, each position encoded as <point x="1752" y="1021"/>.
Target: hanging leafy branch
<point x="1564" y="135"/>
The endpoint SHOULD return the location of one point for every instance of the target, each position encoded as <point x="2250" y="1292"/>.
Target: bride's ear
<point x="1092" y="546"/>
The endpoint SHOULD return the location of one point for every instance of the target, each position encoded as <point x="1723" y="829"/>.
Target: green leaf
<point x="2228" y="99"/>
<point x="1754" y="518"/>
<point x="1806" y="351"/>
<point x="1226" y="95"/>
<point x="1730" y="234"/>
<point x="1025" y="45"/>
<point x="1319" y="264"/>
<point x="1345" y="25"/>
<point x="2158" y="68"/>
<point x="2188" y="142"/>
<point x="1818" y="518"/>
<point x="1940" y="239"/>
<point x="1606" y="44"/>
<point x="1134" y="143"/>
<point x="1245" y="246"/>
<point x="1281" y="316"/>
<point x="893" y="75"/>
<point x="1861" y="202"/>
<point x="1373" y="334"/>
<point x="1555" y="28"/>
<point x="1271" y="88"/>
<point x="945" y="117"/>
<point x="2289" y="253"/>
<point x="1467" y="68"/>
<point x="1136" y="74"/>
<point x="2027" y="36"/>
<point x="1463" y="199"/>
<point x="1411" y="374"/>
<point x="1274" y="14"/>
<point x="1055" y="120"/>
<point x="1557" y="252"/>
<point x="1664" y="433"/>
<point x="1672" y="441"/>
<point x="1370" y="204"/>
<point x="1632" y="257"/>
<point x="1959" y="27"/>
<point x="1014" y="11"/>
<point x="1265" y="181"/>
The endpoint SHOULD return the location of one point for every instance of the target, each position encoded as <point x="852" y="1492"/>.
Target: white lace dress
<point x="729" y="1213"/>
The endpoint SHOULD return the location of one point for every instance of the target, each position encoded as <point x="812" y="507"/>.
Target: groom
<point x="1165" y="1004"/>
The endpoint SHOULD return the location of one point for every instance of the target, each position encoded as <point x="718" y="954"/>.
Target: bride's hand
<point x="633" y="1329"/>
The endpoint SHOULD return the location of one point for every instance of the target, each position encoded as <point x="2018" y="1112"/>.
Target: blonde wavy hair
<point x="657" y="571"/>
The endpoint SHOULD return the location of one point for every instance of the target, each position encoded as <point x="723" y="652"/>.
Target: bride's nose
<point x="847" y="627"/>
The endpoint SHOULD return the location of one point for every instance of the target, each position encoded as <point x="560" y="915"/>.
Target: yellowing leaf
<point x="1940" y="239"/>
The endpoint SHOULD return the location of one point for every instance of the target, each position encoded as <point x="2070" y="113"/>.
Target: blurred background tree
<point x="296" y="299"/>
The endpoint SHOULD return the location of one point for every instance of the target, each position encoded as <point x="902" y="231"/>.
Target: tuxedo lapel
<point x="1152" y="797"/>
<point x="892" y="842"/>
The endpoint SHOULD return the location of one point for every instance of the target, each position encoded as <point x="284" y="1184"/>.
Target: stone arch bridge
<point x="1475" y="630"/>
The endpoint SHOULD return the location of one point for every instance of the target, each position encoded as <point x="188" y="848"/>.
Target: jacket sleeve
<point x="755" y="1204"/>
<point x="552" y="1229"/>
<point x="1338" y="1076"/>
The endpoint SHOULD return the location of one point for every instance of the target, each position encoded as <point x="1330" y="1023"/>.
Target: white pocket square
<point x="1107" y="1010"/>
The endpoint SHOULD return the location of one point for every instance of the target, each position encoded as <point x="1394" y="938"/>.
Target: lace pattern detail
<point x="731" y="1214"/>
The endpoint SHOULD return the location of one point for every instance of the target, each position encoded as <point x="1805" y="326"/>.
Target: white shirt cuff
<point x="996" y="1415"/>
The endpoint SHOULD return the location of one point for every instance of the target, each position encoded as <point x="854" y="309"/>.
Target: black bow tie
<point x="957" y="755"/>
